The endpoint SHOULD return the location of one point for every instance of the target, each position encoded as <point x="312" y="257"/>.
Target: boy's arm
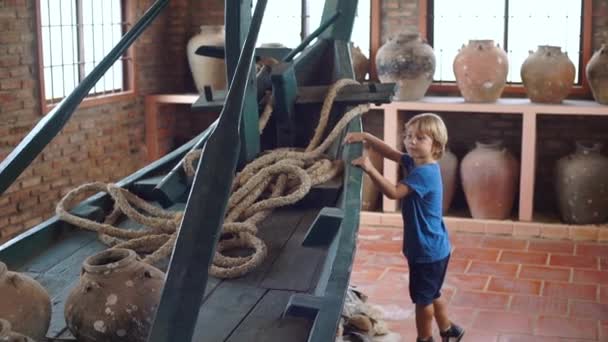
<point x="386" y="187"/>
<point x="378" y="145"/>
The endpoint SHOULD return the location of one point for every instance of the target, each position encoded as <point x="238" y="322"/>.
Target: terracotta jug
<point x="24" y="303"/>
<point x="449" y="169"/>
<point x="115" y="299"/>
<point x="409" y="62"/>
<point x="207" y="70"/>
<point x="8" y="335"/>
<point x="548" y="74"/>
<point x="597" y="74"/>
<point x="481" y="71"/>
<point x="490" y="177"/>
<point x="581" y="181"/>
<point x="370" y="192"/>
<point x="360" y="63"/>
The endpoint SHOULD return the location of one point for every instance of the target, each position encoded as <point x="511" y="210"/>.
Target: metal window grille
<point x="75" y="36"/>
<point x="519" y="26"/>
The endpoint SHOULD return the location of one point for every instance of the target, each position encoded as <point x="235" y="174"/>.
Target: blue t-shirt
<point x="425" y="237"/>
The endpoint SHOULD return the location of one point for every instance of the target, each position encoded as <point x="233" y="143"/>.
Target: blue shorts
<point x="426" y="280"/>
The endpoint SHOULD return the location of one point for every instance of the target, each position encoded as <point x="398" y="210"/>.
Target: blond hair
<point x="432" y="125"/>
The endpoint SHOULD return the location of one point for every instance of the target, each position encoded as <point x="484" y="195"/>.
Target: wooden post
<point x="238" y="20"/>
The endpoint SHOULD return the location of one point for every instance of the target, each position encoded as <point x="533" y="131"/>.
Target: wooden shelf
<point x="523" y="107"/>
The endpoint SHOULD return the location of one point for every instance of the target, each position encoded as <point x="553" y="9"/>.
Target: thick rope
<point x="277" y="178"/>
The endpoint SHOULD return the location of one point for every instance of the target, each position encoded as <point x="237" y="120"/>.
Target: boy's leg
<point x="440" y="310"/>
<point x="424" y="321"/>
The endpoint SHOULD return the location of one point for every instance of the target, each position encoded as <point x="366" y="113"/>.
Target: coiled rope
<point x="275" y="179"/>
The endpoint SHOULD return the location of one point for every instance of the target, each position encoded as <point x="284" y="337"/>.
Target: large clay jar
<point x="548" y="74"/>
<point x="597" y="75"/>
<point x="24" y="303"/>
<point x="360" y="63"/>
<point x="581" y="181"/>
<point x="490" y="176"/>
<point x="370" y="192"/>
<point x="8" y="335"/>
<point x="409" y="62"/>
<point x="449" y="170"/>
<point x="115" y="299"/>
<point x="207" y="71"/>
<point x="481" y="71"/>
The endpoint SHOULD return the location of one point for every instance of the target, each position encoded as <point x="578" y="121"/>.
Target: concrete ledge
<point x="518" y="229"/>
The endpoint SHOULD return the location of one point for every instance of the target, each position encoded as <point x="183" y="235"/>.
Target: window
<point x="518" y="26"/>
<point x="285" y="27"/>
<point x="75" y="35"/>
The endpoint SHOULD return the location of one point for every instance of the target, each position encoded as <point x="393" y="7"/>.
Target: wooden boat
<point x="297" y="292"/>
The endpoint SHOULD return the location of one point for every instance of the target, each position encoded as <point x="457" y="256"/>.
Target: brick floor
<point x="499" y="288"/>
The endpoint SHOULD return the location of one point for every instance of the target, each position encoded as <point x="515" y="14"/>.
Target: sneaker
<point x="453" y="334"/>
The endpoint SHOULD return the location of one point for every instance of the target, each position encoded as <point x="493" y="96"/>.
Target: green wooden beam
<point x="238" y="20"/>
<point x="201" y="225"/>
<point x="284" y="88"/>
<point x="51" y="124"/>
<point x="343" y="27"/>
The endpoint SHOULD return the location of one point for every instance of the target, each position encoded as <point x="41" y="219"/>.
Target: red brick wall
<point x="100" y="143"/>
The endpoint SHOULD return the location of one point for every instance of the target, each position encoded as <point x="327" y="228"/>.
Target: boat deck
<point x="251" y="307"/>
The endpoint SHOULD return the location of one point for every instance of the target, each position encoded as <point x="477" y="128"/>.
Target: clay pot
<point x="548" y="74"/>
<point x="581" y="184"/>
<point x="449" y="170"/>
<point x="360" y="63"/>
<point x="490" y="176"/>
<point x="597" y="74"/>
<point x="115" y="299"/>
<point x="409" y="62"/>
<point x="481" y="71"/>
<point x="370" y="192"/>
<point x="207" y="70"/>
<point x="24" y="303"/>
<point x="8" y="335"/>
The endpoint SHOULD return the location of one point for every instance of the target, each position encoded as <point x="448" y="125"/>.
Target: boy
<point x="426" y="245"/>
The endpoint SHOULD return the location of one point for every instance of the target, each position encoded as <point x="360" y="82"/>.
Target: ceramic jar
<point x="581" y="184"/>
<point x="207" y="70"/>
<point x="8" y="335"/>
<point x="548" y="74"/>
<point x="24" y="303"/>
<point x="409" y="62"/>
<point x="481" y="69"/>
<point x="448" y="165"/>
<point x="116" y="298"/>
<point x="360" y="63"/>
<point x="490" y="176"/>
<point x="597" y="74"/>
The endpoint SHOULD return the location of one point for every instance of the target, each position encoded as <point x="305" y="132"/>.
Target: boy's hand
<point x="363" y="162"/>
<point x="355" y="137"/>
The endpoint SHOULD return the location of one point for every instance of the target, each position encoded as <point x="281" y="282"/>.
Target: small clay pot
<point x="8" y="335"/>
<point x="24" y="303"/>
<point x="116" y="298"/>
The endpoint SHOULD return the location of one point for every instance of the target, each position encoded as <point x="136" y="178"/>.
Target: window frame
<point x="582" y="90"/>
<point x="129" y="69"/>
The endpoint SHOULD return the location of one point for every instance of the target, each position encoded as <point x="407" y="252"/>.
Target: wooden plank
<point x="297" y="267"/>
<point x="275" y="231"/>
<point x="224" y="309"/>
<point x="265" y="323"/>
<point x="63" y="247"/>
<point x="350" y="94"/>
